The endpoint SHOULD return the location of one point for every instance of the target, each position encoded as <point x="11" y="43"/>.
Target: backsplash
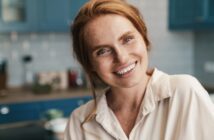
<point x="204" y="57"/>
<point x="49" y="51"/>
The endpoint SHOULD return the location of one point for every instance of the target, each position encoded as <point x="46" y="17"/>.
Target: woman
<point x="110" y="41"/>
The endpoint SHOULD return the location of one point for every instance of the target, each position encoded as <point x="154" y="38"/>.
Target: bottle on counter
<point x="3" y="74"/>
<point x="76" y="78"/>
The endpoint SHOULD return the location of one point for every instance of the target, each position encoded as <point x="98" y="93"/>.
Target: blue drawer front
<point x="31" y="111"/>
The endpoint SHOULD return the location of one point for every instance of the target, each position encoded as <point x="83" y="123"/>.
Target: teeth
<point x="127" y="69"/>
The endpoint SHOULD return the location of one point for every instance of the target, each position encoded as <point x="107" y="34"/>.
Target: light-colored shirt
<point x="175" y="107"/>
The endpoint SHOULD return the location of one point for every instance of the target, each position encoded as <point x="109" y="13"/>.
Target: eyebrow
<point x="125" y="34"/>
<point x="119" y="39"/>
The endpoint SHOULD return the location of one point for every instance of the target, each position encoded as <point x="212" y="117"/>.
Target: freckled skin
<point x="106" y="31"/>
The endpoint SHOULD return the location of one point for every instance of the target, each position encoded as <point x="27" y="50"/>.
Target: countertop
<point x="20" y="95"/>
<point x="17" y="96"/>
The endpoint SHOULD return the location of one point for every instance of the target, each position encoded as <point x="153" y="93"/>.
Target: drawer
<point x="66" y="105"/>
<point x="31" y="111"/>
<point x="19" y="112"/>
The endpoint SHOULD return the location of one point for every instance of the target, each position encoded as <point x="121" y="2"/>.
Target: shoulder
<point x="81" y="112"/>
<point x="175" y="83"/>
<point x="186" y="92"/>
<point x="182" y="85"/>
<point x="183" y="81"/>
<point x="73" y="129"/>
<point x="186" y="86"/>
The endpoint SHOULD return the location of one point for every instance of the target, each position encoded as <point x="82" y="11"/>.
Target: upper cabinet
<point x="54" y="15"/>
<point x="75" y="7"/>
<point x="210" y="10"/>
<point x="191" y="14"/>
<point x="38" y="15"/>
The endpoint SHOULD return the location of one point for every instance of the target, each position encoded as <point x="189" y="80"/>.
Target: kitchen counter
<point x="17" y="96"/>
<point x="25" y="106"/>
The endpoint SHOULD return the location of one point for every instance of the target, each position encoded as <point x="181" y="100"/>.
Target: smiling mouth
<point x="126" y="70"/>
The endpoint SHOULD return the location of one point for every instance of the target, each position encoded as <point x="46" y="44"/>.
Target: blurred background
<point x="40" y="81"/>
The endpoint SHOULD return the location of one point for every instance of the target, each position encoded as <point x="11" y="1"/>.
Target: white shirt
<point x="175" y="107"/>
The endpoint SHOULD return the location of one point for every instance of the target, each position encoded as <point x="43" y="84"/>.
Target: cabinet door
<point x="184" y="13"/>
<point x="191" y="14"/>
<point x="65" y="105"/>
<point x="53" y="15"/>
<point x="209" y="9"/>
<point x="30" y="111"/>
<point x="57" y="15"/>
<point x="75" y="7"/>
<point x="19" y="112"/>
<point x="18" y="15"/>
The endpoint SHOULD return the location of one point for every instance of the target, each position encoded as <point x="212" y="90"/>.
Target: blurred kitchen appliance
<point x="3" y="74"/>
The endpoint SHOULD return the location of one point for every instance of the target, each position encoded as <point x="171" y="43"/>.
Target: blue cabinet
<point x="31" y="111"/>
<point x="38" y="15"/>
<point x="67" y="105"/>
<point x="57" y="15"/>
<point x="53" y="15"/>
<point x="191" y="14"/>
<point x="19" y="112"/>
<point x="75" y="7"/>
<point x="209" y="13"/>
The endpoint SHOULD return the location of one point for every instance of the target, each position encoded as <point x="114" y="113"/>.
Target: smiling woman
<point x="118" y="53"/>
<point x="110" y="42"/>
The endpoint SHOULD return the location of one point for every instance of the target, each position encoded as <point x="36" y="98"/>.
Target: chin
<point x="128" y="84"/>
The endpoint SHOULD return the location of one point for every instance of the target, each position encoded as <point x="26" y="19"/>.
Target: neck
<point x="120" y="99"/>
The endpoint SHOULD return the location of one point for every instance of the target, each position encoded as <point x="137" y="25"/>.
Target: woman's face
<point x="117" y="51"/>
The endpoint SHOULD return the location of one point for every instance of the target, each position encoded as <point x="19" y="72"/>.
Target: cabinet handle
<point x="4" y="110"/>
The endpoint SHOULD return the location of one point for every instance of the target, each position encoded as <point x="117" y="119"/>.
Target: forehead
<point x="106" y="29"/>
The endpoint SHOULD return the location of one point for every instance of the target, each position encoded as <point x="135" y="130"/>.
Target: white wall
<point x="50" y="51"/>
<point x="172" y="51"/>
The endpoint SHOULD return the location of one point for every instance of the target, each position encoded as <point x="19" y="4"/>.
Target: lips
<point x="126" y="69"/>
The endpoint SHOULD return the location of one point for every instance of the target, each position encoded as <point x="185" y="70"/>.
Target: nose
<point x="121" y="55"/>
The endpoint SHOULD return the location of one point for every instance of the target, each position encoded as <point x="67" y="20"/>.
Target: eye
<point x="103" y="52"/>
<point x="128" y="39"/>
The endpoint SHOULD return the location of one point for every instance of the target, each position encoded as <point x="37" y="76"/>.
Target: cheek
<point x="97" y="65"/>
<point x="141" y="50"/>
<point x="102" y="67"/>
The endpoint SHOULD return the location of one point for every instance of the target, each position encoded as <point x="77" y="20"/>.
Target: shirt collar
<point x="158" y="89"/>
<point x="105" y="116"/>
<point x="102" y="106"/>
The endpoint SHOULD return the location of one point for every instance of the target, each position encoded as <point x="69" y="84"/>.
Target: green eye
<point x="103" y="52"/>
<point x="127" y="39"/>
